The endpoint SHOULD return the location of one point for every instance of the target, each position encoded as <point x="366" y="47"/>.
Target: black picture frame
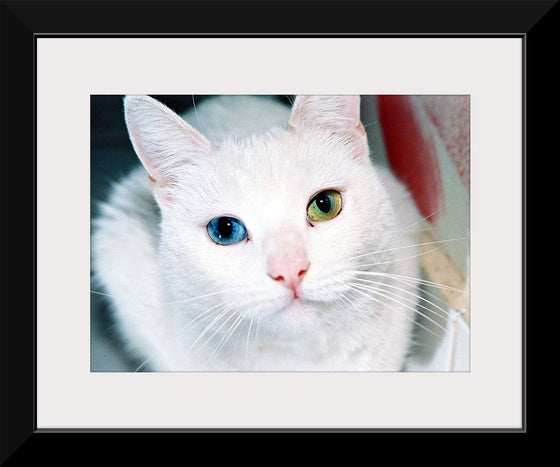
<point x="22" y="22"/>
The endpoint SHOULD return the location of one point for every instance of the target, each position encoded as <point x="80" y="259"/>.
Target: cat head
<point x="270" y="226"/>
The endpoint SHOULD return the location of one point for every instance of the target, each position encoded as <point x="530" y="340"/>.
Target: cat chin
<point x="296" y="309"/>
<point x="297" y="316"/>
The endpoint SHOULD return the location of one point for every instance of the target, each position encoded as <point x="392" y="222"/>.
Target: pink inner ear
<point x="339" y="112"/>
<point x="156" y="180"/>
<point x="141" y="153"/>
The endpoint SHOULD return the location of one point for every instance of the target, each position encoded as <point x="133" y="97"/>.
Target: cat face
<point x="272" y="227"/>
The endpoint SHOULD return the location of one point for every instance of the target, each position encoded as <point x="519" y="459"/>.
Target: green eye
<point x="324" y="206"/>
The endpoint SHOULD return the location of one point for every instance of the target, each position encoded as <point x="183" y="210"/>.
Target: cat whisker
<point x="231" y="330"/>
<point x="199" y="297"/>
<point x="443" y="242"/>
<point x="219" y="316"/>
<point x="101" y="293"/>
<point x="141" y="365"/>
<point x="408" y="318"/>
<point x="257" y="333"/>
<point x="366" y="125"/>
<point x="345" y="299"/>
<point x="341" y="298"/>
<point x="414" y="309"/>
<point x="423" y="287"/>
<point x="424" y="219"/>
<point x="401" y="230"/>
<point x="200" y="317"/>
<point x="409" y="279"/>
<point x="372" y="285"/>
<point x="247" y="342"/>
<point x="405" y="258"/>
<point x="362" y="315"/>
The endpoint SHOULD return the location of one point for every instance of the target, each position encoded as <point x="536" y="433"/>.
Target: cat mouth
<point x="299" y="305"/>
<point x="302" y="302"/>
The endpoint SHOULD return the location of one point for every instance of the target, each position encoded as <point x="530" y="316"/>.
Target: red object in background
<point x="411" y="152"/>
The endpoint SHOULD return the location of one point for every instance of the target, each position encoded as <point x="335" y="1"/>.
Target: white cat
<point x="270" y="243"/>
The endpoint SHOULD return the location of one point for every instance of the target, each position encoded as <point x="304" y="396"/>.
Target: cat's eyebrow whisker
<point x="196" y="114"/>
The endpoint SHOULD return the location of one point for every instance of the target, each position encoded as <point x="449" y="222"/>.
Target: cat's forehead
<point x="279" y="158"/>
<point x="267" y="175"/>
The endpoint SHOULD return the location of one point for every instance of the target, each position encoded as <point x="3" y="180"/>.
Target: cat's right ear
<point x="163" y="141"/>
<point x="336" y="114"/>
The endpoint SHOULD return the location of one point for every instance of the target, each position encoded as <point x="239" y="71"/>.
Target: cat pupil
<point x="225" y="227"/>
<point x="323" y="203"/>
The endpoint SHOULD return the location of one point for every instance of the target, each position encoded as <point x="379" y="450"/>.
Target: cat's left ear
<point x="338" y="114"/>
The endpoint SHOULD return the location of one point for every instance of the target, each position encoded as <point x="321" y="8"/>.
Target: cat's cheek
<point x="234" y="265"/>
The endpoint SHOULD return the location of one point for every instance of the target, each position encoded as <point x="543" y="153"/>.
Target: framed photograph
<point x="346" y="209"/>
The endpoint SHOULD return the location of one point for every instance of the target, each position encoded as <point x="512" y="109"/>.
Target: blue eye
<point x="226" y="230"/>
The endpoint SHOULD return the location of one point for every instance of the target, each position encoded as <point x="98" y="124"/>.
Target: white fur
<point x="169" y="281"/>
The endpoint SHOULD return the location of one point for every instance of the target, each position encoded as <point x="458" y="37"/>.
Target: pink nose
<point x="289" y="273"/>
